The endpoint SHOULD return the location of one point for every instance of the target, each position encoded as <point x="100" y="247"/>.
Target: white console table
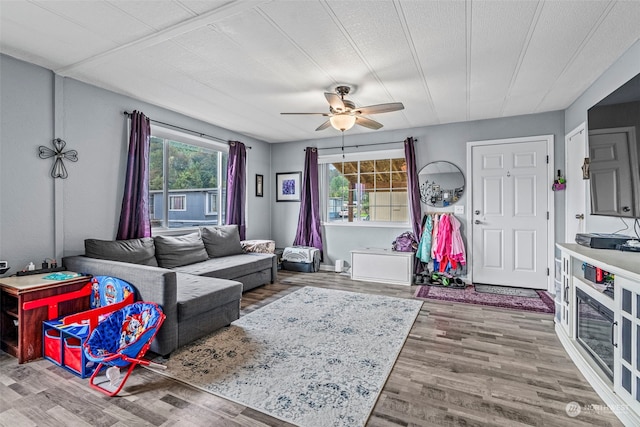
<point x="382" y="265"/>
<point x="622" y="394"/>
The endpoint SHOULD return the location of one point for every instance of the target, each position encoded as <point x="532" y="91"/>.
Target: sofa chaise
<point x="197" y="278"/>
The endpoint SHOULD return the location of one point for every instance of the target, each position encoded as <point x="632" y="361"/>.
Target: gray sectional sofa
<point x="197" y="278"/>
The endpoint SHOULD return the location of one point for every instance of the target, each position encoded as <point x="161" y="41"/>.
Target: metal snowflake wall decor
<point x="58" y="170"/>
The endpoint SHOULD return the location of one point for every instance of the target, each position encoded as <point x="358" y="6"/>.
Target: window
<point x="177" y="203"/>
<point x="365" y="187"/>
<point x="186" y="176"/>
<point x="212" y="203"/>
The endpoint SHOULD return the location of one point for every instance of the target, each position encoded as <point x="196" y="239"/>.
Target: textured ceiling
<point x="239" y="64"/>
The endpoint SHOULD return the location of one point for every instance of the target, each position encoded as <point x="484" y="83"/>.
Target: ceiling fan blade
<point x="314" y="114"/>
<point x="368" y="123"/>
<point x="380" y="108"/>
<point x="334" y="101"/>
<point x="324" y="125"/>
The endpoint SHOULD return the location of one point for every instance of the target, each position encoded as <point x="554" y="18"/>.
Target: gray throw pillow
<point x="174" y="251"/>
<point x="135" y="251"/>
<point x="221" y="240"/>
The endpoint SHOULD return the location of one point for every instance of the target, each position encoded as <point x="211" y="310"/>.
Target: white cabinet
<point x="627" y="353"/>
<point x="382" y="265"/>
<point x="566" y="295"/>
<point x="609" y="327"/>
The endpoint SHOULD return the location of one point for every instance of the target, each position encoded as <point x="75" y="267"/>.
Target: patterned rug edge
<point x="407" y="333"/>
<point x="544" y="297"/>
<point x="395" y="360"/>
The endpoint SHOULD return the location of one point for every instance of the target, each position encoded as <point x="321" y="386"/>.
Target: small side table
<point x="21" y="330"/>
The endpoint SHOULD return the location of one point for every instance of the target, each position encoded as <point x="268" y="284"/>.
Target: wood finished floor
<point x="462" y="365"/>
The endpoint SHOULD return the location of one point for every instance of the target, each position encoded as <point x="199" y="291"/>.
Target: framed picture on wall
<point x="259" y="185"/>
<point x="288" y="186"/>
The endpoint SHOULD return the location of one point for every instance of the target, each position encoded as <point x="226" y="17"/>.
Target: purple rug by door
<point x="543" y="304"/>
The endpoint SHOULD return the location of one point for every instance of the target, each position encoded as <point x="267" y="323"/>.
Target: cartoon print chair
<point x="107" y="294"/>
<point x="120" y="341"/>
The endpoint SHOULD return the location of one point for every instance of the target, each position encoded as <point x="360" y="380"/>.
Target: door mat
<point x="506" y="290"/>
<point x="543" y="303"/>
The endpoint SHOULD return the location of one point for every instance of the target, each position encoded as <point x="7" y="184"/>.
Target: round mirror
<point x="441" y="184"/>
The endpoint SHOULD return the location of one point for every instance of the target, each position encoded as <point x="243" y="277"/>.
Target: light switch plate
<point x="458" y="209"/>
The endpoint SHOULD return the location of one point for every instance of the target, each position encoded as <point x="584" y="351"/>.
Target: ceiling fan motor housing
<point x="343" y="90"/>
<point x="348" y="106"/>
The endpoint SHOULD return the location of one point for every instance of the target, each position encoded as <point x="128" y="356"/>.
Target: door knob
<point x="477" y="221"/>
<point x="626" y="209"/>
<point x="477" y="212"/>
<point x="579" y="216"/>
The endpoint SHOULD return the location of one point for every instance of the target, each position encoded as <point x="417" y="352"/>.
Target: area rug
<point x="543" y="303"/>
<point x="315" y="357"/>
<point x="505" y="290"/>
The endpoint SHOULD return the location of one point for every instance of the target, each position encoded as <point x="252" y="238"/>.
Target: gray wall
<point x="26" y="196"/>
<point x="91" y="121"/>
<point x="444" y="142"/>
<point x="619" y="73"/>
<point x="41" y="218"/>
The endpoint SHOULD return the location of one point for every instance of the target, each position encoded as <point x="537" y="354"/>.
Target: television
<point x="614" y="152"/>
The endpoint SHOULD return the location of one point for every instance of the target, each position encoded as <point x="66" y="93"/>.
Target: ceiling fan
<point x="343" y="113"/>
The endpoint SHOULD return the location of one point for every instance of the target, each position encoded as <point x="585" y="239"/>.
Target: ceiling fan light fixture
<point x="342" y="122"/>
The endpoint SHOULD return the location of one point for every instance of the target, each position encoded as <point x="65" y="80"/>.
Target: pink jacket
<point x="457" y="245"/>
<point x="443" y="245"/>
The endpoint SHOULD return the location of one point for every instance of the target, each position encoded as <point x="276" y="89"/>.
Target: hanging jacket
<point x="444" y="238"/>
<point x="457" y="245"/>
<point x="434" y="236"/>
<point x="424" y="247"/>
<point x="443" y="249"/>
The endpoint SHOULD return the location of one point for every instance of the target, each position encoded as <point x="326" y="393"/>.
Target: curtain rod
<point x="360" y="145"/>
<point x="200" y="134"/>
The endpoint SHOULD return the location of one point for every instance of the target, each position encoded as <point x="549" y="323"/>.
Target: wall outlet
<point x="458" y="209"/>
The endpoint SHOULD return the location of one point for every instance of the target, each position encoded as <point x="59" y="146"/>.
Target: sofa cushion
<point x="230" y="267"/>
<point x="136" y="251"/>
<point x="198" y="294"/>
<point x="174" y="251"/>
<point x="221" y="240"/>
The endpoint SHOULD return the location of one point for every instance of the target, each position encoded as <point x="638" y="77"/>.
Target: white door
<point x="576" y="191"/>
<point x="510" y="214"/>
<point x="610" y="152"/>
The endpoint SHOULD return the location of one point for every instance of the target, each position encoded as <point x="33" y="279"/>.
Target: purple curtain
<point x="134" y="215"/>
<point x="308" y="232"/>
<point x="413" y="188"/>
<point x="236" y="185"/>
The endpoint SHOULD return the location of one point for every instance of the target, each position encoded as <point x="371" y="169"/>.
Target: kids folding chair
<point x="120" y="341"/>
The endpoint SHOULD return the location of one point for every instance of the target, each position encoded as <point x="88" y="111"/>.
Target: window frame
<point x="173" y="197"/>
<point x="168" y="133"/>
<point x="207" y="203"/>
<point x="351" y="157"/>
